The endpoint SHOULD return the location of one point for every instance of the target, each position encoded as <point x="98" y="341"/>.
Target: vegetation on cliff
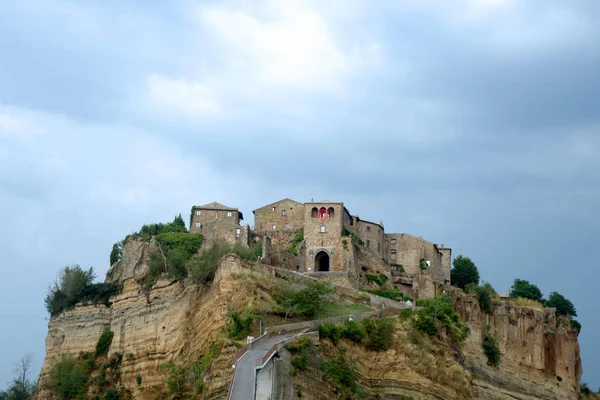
<point x="464" y="272"/>
<point x="21" y="388"/>
<point x="75" y="285"/>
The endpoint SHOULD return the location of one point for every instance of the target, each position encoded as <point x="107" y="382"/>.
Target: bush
<point x="73" y="286"/>
<point x="463" y="272"/>
<point x="147" y="231"/>
<point x="69" y="378"/>
<point x="342" y="375"/>
<point x="575" y="325"/>
<point x="186" y="242"/>
<point x="491" y="350"/>
<point x="563" y="306"/>
<point x="522" y="288"/>
<point x="437" y="316"/>
<point x="354" y="331"/>
<point x="299" y="351"/>
<point x="104" y="342"/>
<point x="176" y="380"/>
<point x="379" y="334"/>
<point x="138" y="379"/>
<point x="380" y="280"/>
<point x="117" y="253"/>
<point x="353" y="236"/>
<point x="293" y="249"/>
<point x="203" y="266"/>
<point x="176" y="269"/>
<point x="112" y="394"/>
<point x="307" y="301"/>
<point x="332" y="332"/>
<point x="484" y="296"/>
<point x="238" y="326"/>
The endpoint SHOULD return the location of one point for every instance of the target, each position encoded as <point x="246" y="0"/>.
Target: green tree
<point x="491" y="349"/>
<point x="484" y="294"/>
<point x="522" y="288"/>
<point x="563" y="305"/>
<point x="68" y="288"/>
<point x="437" y="315"/>
<point x="21" y="387"/>
<point x="463" y="272"/>
<point x="307" y="301"/>
<point x="117" y="253"/>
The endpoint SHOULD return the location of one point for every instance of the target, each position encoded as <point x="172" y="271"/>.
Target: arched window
<point x="331" y="212"/>
<point x="322" y="229"/>
<point x="315" y="212"/>
<point x="323" y="213"/>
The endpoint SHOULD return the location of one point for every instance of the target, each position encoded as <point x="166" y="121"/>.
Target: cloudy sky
<point x="473" y="123"/>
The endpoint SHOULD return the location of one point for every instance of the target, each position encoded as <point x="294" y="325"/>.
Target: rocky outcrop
<point x="540" y="354"/>
<point x="179" y="321"/>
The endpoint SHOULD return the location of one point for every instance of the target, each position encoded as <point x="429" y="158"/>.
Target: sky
<point x="472" y="123"/>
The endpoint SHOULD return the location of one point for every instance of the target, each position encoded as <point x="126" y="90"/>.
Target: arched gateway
<point x="322" y="261"/>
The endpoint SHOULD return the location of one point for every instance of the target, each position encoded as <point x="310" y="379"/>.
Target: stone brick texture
<point x="280" y="213"/>
<point x="219" y="224"/>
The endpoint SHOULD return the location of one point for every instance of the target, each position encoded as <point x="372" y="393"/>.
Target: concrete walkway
<point x="243" y="384"/>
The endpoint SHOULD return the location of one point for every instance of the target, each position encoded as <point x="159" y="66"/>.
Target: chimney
<point x="442" y="246"/>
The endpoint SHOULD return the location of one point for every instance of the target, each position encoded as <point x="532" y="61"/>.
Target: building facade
<point x="217" y="221"/>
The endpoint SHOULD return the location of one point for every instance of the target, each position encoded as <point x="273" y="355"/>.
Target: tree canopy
<point x="463" y="272"/>
<point x="522" y="288"/>
<point x="563" y="305"/>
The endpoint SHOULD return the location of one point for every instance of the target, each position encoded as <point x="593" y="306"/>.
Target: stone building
<point x="283" y="215"/>
<point x="217" y="221"/>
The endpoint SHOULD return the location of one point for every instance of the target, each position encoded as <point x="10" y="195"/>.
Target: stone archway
<point x="322" y="261"/>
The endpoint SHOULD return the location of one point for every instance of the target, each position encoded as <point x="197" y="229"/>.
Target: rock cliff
<point x="178" y="321"/>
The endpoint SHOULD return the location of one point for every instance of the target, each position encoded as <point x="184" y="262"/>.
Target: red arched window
<point x="323" y="213"/>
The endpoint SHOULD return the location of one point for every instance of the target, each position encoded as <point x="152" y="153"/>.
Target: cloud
<point x="15" y="125"/>
<point x="276" y="55"/>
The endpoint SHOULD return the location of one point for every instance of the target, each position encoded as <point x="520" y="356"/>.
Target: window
<point x="229" y="213"/>
<point x="394" y="242"/>
<point x="331" y="212"/>
<point x="314" y="212"/>
<point x="274" y="227"/>
<point x="323" y="213"/>
<point x="393" y="251"/>
<point x="272" y="208"/>
<point x="198" y="212"/>
<point x="216" y="215"/>
<point x="322" y="229"/>
<point x="287" y="226"/>
<point x="393" y="256"/>
<point x="198" y="225"/>
<point x="368" y="229"/>
<point x="283" y="213"/>
<point x="237" y="232"/>
<point x="368" y="243"/>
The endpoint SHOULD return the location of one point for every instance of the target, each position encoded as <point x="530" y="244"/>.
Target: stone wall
<point x="372" y="234"/>
<point x="446" y="260"/>
<point x="285" y="215"/>
<point x="324" y="235"/>
<point x="219" y="224"/>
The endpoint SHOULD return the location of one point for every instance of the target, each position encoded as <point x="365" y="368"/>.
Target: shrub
<point x="341" y="374"/>
<point x="379" y="334"/>
<point x="104" y="342"/>
<point x="185" y="242"/>
<point x="524" y="302"/>
<point x="380" y="279"/>
<point x="112" y="394"/>
<point x="238" y="326"/>
<point x="69" y="378"/>
<point x="437" y="316"/>
<point x="353" y="236"/>
<point x="563" y="305"/>
<point x="203" y="266"/>
<point x="176" y="264"/>
<point x="422" y="265"/>
<point x="138" y="379"/>
<point x="293" y="249"/>
<point x="299" y="352"/>
<point x="522" y="288"/>
<point x="463" y="272"/>
<point x="116" y="253"/>
<point x="176" y="380"/>
<point x="354" y="331"/>
<point x="575" y="325"/>
<point x="491" y="350"/>
<point x="332" y="332"/>
<point x="307" y="301"/>
<point x="147" y="231"/>
<point x="484" y="296"/>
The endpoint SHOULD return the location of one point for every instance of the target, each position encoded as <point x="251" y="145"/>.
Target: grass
<point x="524" y="302"/>
<point x="335" y="310"/>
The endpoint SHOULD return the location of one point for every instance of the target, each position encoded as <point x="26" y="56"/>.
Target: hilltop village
<point x="323" y="239"/>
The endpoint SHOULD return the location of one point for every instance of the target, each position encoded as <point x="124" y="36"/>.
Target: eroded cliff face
<point x="173" y="321"/>
<point x="179" y="321"/>
<point x="540" y="354"/>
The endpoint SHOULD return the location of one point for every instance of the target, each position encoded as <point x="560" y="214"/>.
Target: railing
<point x="260" y="362"/>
